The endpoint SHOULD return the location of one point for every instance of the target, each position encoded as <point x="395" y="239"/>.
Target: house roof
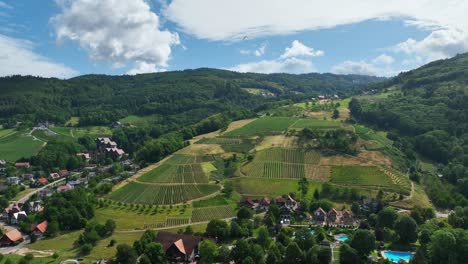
<point x="22" y="164"/>
<point x="332" y="211"/>
<point x="63" y="172"/>
<point x="14" y="235"/>
<point x="55" y="175"/>
<point x="320" y="210"/>
<point x="180" y="246"/>
<point x="184" y="243"/>
<point x="42" y="227"/>
<point x="42" y="180"/>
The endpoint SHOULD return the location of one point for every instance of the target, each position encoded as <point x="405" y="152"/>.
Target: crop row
<point x="135" y="192"/>
<point x="168" y="173"/>
<point x="274" y="170"/>
<point x="220" y="141"/>
<point x="210" y="213"/>
<point x="289" y="156"/>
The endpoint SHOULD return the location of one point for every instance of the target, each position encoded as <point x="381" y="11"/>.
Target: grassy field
<point x="371" y="177"/>
<point x="73" y="121"/>
<point x="269" y="187"/>
<point x="280" y="163"/>
<point x="265" y="125"/>
<point x="5" y="132"/>
<point x="419" y="199"/>
<point x="214" y="201"/>
<point x="255" y="91"/>
<point x="76" y="132"/>
<point x="18" y="145"/>
<point x="141" y="193"/>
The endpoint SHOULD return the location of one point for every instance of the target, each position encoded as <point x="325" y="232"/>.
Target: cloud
<point x="17" y="56"/>
<point x="257" y="52"/>
<point x="439" y="44"/>
<point x="383" y="59"/>
<point x="117" y="32"/>
<point x="289" y="62"/>
<point x="260" y="51"/>
<point x="291" y="65"/>
<point x="143" y="67"/>
<point x="237" y="19"/>
<point x="382" y="65"/>
<point x="298" y="49"/>
<point x="5" y="5"/>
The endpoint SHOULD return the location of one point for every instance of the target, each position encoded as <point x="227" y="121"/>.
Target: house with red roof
<point x="179" y="248"/>
<point x="63" y="173"/>
<point x="25" y="165"/>
<point x="42" y="180"/>
<point x="11" y="238"/>
<point x="39" y="229"/>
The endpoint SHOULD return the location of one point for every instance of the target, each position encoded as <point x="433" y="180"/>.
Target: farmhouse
<point x="22" y="165"/>
<point x="63" y="188"/>
<point x="28" y="177"/>
<point x="178" y="247"/>
<point x="333" y="217"/>
<point x="42" y="181"/>
<point x="11" y="238"/>
<point x="39" y="229"/>
<point x="320" y="215"/>
<point x="109" y="147"/>
<point x="287" y="201"/>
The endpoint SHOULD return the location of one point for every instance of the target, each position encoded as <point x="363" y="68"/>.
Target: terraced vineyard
<point x="371" y="177"/>
<point x="179" y="169"/>
<point x="209" y="213"/>
<point x="141" y="193"/>
<point x="316" y="123"/>
<point x="176" y="221"/>
<point x="220" y="140"/>
<point x="280" y="163"/>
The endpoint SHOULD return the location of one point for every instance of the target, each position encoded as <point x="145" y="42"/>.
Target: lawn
<point x="135" y="120"/>
<point x="5" y="132"/>
<point x="419" y="199"/>
<point x="213" y="201"/>
<point x="73" y="121"/>
<point x="269" y="187"/>
<point x="18" y="145"/>
<point x="265" y="125"/>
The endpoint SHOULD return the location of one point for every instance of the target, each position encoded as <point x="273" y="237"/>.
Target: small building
<point x="179" y="248"/>
<point x="35" y="206"/>
<point x="287" y="201"/>
<point x="64" y="188"/>
<point x="2" y="163"/>
<point x="85" y="156"/>
<point x="332" y="216"/>
<point x="251" y="203"/>
<point x="28" y="177"/>
<point x="18" y="217"/>
<point x="13" y="180"/>
<point x="42" y="180"/>
<point x="264" y="203"/>
<point x="319" y="215"/>
<point x="76" y="183"/>
<point x="63" y="173"/>
<point x="11" y="238"/>
<point x="24" y="165"/>
<point x="54" y="176"/>
<point x="39" y="229"/>
<point x="105" y="142"/>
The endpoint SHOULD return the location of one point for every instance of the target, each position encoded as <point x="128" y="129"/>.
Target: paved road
<point x="9" y="250"/>
<point x="27" y="196"/>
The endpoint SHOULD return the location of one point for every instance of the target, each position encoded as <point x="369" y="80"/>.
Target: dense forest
<point x="173" y="99"/>
<point x="428" y="119"/>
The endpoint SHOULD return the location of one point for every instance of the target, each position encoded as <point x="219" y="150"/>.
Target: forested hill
<point x="429" y="117"/>
<point x="189" y="94"/>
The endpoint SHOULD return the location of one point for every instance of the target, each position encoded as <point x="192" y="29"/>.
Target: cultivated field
<point x="316" y="123"/>
<point x="141" y="193"/>
<point x="179" y="169"/>
<point x="371" y="177"/>
<point x="248" y="186"/>
<point x="210" y="213"/>
<point x="265" y="125"/>
<point x="281" y="163"/>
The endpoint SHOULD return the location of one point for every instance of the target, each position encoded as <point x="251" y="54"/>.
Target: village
<point x="36" y="185"/>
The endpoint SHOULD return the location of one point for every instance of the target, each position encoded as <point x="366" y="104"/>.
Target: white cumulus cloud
<point x="382" y="65"/>
<point x="298" y="49"/>
<point x="261" y="50"/>
<point x="291" y="61"/>
<point x="144" y="67"/>
<point x="17" y="56"/>
<point x="383" y="59"/>
<point x="118" y="32"/>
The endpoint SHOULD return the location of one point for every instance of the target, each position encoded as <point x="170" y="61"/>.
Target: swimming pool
<point x="341" y="237"/>
<point x="396" y="256"/>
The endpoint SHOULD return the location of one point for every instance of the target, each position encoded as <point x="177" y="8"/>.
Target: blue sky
<point x="66" y="38"/>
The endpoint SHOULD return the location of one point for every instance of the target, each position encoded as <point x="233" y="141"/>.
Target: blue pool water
<point x="396" y="256"/>
<point x="341" y="237"/>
